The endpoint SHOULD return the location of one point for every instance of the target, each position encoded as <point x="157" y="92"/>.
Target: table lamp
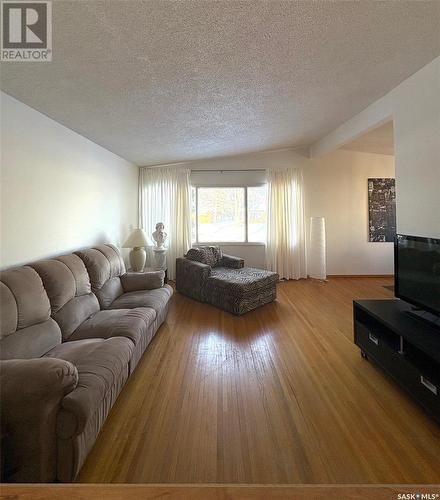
<point x="137" y="241"/>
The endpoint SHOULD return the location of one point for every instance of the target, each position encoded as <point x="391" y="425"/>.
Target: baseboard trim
<point x="360" y="275"/>
<point x="214" y="491"/>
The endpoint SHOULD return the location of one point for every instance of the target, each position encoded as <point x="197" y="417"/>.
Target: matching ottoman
<point x="240" y="290"/>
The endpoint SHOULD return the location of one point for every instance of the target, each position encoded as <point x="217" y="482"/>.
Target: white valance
<point x="227" y="178"/>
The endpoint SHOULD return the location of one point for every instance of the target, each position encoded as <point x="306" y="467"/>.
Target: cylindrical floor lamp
<point x="317" y="255"/>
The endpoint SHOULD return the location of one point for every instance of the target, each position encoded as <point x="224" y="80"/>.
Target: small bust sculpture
<point x="159" y="236"/>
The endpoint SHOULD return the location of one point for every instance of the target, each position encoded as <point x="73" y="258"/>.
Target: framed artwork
<point x="381" y="210"/>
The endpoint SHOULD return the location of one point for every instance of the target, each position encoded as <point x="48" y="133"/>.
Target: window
<point x="257" y="213"/>
<point x="229" y="214"/>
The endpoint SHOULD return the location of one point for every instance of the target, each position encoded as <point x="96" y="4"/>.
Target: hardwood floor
<point x="280" y="395"/>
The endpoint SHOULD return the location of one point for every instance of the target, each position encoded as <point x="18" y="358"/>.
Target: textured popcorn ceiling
<point x="166" y="81"/>
<point x="380" y="140"/>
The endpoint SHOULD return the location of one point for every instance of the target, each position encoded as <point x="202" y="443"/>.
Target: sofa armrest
<point x="31" y="394"/>
<point x="231" y="261"/>
<point x="190" y="277"/>
<point x="132" y="282"/>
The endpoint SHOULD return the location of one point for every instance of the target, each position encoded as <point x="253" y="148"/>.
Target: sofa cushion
<point x="79" y="272"/>
<point x="101" y="364"/>
<point x="97" y="266"/>
<point x="75" y="312"/>
<point x="133" y="281"/>
<point x="129" y="323"/>
<point x="31" y="304"/>
<point x="156" y="299"/>
<point x="58" y="281"/>
<point x="113" y="255"/>
<point x="110" y="291"/>
<point x="31" y="342"/>
<point x="26" y="328"/>
<point x="68" y="287"/>
<point x="105" y="266"/>
<point x="8" y="311"/>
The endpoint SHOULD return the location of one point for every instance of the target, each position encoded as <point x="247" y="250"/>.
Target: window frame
<point x="246" y="241"/>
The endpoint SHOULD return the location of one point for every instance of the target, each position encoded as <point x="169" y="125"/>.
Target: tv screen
<point x="417" y="271"/>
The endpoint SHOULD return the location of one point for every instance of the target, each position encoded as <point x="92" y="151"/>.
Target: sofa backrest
<point x="67" y="284"/>
<point x="26" y="328"/>
<point x="105" y="265"/>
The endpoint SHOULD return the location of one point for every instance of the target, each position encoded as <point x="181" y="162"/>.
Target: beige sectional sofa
<point x="73" y="329"/>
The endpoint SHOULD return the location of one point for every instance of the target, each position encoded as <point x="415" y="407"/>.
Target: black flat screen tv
<point x="417" y="271"/>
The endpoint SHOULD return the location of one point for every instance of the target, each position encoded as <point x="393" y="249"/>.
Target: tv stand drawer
<point x="423" y="387"/>
<point x="373" y="345"/>
<point x="374" y="338"/>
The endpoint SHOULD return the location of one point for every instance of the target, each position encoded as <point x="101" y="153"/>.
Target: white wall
<point x="416" y="112"/>
<point x="59" y="191"/>
<point x="336" y="188"/>
<point x="254" y="254"/>
<point x="414" y="106"/>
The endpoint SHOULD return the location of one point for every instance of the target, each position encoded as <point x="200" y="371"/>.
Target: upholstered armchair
<point x="207" y="275"/>
<point x="191" y="275"/>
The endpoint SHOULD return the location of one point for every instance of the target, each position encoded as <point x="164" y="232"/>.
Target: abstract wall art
<point x="381" y="209"/>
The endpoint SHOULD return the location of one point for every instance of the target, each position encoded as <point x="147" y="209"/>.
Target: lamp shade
<point x="136" y="239"/>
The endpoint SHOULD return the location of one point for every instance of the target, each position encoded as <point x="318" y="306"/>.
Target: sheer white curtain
<point x="286" y="239"/>
<point x="164" y="196"/>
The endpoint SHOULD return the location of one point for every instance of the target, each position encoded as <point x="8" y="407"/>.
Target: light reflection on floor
<point x="215" y="350"/>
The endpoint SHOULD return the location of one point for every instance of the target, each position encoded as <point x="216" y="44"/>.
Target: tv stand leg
<point x="364" y="355"/>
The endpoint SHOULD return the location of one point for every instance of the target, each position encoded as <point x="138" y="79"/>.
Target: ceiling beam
<point x="371" y="117"/>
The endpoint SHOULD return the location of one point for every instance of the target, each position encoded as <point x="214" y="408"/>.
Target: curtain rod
<point x="231" y="170"/>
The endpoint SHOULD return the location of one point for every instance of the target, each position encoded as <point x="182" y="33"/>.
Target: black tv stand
<point x="406" y="348"/>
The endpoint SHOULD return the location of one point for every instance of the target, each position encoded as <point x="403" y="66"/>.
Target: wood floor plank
<point x="280" y="395"/>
